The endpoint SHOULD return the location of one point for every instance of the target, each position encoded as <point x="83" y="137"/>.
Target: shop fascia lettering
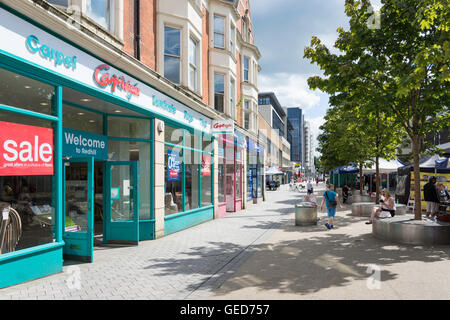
<point x="46" y="52"/>
<point x="104" y="79"/>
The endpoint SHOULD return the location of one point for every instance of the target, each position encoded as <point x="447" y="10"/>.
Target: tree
<point x="404" y="63"/>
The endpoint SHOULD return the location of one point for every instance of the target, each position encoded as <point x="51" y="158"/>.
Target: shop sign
<point x="222" y="126"/>
<point x="36" y="46"/>
<point x="206" y="166"/>
<point x="78" y="144"/>
<point x="25" y="150"/>
<point x="173" y="165"/>
<point x="104" y="79"/>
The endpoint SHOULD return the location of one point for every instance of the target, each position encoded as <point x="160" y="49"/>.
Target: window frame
<point x="172" y="55"/>
<point x="219" y="33"/>
<point x="216" y="93"/>
<point x="195" y="67"/>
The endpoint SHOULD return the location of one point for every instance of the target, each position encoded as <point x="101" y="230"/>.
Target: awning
<point x="344" y="170"/>
<point x="273" y="170"/>
<point x="435" y="162"/>
<point x="384" y="166"/>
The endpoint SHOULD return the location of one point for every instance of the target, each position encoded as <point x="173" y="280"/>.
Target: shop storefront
<point x="230" y="172"/>
<point x="81" y="162"/>
<point x="255" y="163"/>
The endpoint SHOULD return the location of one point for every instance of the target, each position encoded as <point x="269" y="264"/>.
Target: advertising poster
<point x="443" y="178"/>
<point x="25" y="150"/>
<point x="206" y="166"/>
<point x="173" y="165"/>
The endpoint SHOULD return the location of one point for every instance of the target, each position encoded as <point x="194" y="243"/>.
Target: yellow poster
<point x="443" y="178"/>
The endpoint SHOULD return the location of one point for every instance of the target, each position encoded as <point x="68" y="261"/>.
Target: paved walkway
<point x="189" y="264"/>
<point x="257" y="253"/>
<point x="343" y="263"/>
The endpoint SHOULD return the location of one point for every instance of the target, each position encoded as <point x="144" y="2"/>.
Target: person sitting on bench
<point x="387" y="208"/>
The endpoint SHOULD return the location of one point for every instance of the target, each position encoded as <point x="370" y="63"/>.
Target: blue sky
<point x="282" y="29"/>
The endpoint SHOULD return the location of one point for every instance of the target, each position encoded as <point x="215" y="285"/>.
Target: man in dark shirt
<point x="431" y="196"/>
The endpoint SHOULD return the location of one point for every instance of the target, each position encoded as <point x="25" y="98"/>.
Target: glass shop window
<point x="25" y="93"/>
<point x="27" y="169"/>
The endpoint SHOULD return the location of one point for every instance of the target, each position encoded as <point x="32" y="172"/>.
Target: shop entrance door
<point x="122" y="205"/>
<point x="78" y="207"/>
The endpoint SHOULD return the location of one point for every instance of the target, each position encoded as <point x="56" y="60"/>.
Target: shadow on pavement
<point x="296" y="266"/>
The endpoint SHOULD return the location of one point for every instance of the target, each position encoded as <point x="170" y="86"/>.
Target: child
<point x="332" y="201"/>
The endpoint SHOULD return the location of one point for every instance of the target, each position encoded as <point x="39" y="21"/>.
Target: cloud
<point x="291" y="89"/>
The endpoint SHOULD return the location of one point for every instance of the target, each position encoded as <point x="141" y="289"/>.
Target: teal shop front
<point x="77" y="158"/>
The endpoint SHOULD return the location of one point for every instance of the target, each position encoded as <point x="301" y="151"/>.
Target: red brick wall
<point x="148" y="33"/>
<point x="147" y="29"/>
<point x="128" y="26"/>
<point x="205" y="57"/>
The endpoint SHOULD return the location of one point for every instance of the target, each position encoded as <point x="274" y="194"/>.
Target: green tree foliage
<point x="401" y="69"/>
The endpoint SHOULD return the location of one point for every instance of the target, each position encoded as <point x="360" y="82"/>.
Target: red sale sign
<point x="25" y="150"/>
<point x="206" y="166"/>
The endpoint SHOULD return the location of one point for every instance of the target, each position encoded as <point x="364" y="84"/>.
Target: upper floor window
<point x="60" y="3"/>
<point x="193" y="64"/>
<point x="172" y="54"/>
<point x="101" y="12"/>
<point x="219" y="91"/>
<point x="246" y="66"/>
<point x="219" y="32"/>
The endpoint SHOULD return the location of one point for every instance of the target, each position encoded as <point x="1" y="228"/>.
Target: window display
<point x="173" y="196"/>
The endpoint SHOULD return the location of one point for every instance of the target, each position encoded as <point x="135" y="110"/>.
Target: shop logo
<point x="51" y="54"/>
<point x="223" y="126"/>
<point x="104" y="79"/>
<point x="25" y="150"/>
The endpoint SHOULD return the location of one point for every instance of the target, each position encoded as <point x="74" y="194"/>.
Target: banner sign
<point x="173" y="165"/>
<point x="206" y="166"/>
<point x="78" y="144"/>
<point x="222" y="126"/>
<point x="25" y="150"/>
<point x="36" y="46"/>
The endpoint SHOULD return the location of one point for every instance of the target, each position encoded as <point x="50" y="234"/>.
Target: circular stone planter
<point x="362" y="209"/>
<point x="360" y="198"/>
<point x="400" y="209"/>
<point x="406" y="230"/>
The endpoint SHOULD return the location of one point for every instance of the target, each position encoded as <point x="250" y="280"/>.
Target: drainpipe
<point x="137" y="29"/>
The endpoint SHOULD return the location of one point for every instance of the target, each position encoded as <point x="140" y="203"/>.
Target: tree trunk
<point x="417" y="194"/>
<point x="361" y="179"/>
<point x="377" y="177"/>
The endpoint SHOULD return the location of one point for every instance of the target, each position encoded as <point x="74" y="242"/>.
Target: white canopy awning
<point x="385" y="166"/>
<point x="431" y="163"/>
<point x="273" y="170"/>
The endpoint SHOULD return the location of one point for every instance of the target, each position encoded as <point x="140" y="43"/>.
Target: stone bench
<point x="362" y="209"/>
<point x="404" y="229"/>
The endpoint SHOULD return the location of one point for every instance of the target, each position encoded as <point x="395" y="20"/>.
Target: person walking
<point x="332" y="201"/>
<point x="309" y="187"/>
<point x="431" y="197"/>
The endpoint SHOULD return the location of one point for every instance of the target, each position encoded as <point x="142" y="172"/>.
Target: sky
<point x="282" y="29"/>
